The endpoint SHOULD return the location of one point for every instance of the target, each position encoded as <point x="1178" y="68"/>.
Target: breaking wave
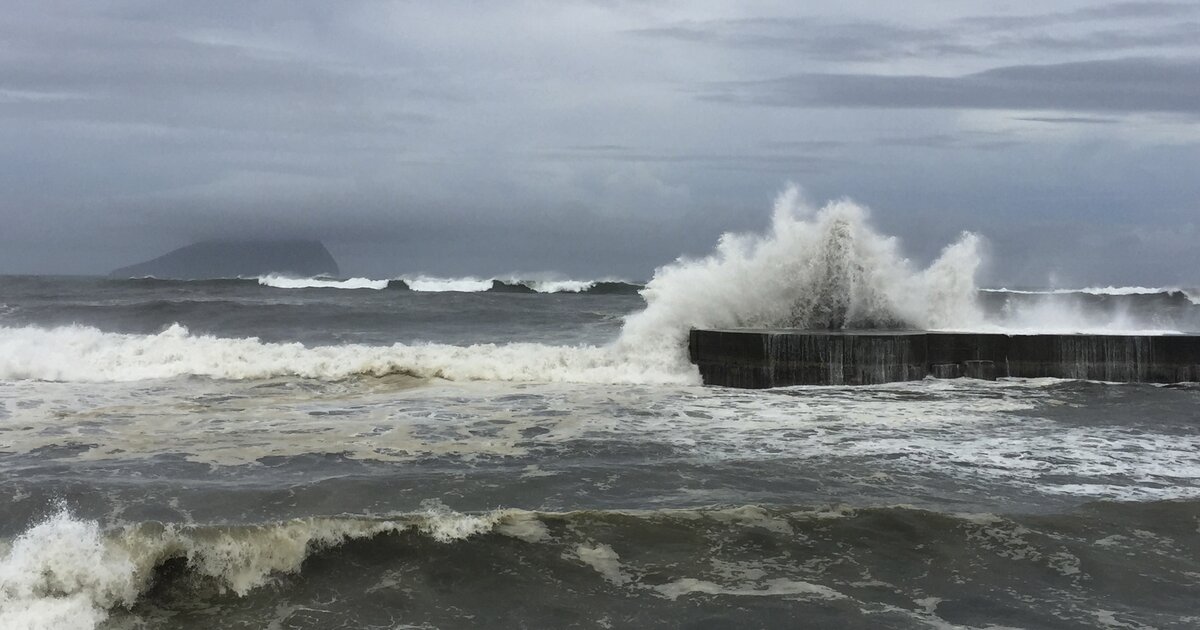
<point x="283" y="282"/>
<point x="513" y="284"/>
<point x="431" y="284"/>
<point x="814" y="268"/>
<point x="420" y="283"/>
<point x="1191" y="295"/>
<point x="80" y="353"/>
<point x="68" y="572"/>
<point x="1099" y="310"/>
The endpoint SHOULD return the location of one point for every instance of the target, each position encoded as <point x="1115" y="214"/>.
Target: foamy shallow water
<point x="1022" y="439"/>
<point x="224" y="490"/>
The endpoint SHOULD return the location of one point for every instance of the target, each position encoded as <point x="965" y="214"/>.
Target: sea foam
<point x="434" y="284"/>
<point x="81" y="353"/>
<point x="66" y="572"/>
<point x="814" y="268"/>
<point x="284" y="282"/>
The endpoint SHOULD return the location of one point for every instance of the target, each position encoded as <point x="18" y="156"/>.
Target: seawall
<point x="774" y="358"/>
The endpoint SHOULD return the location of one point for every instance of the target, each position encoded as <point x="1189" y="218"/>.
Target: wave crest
<point x="67" y="573"/>
<point x="432" y="284"/>
<point x="284" y="282"/>
<point x="81" y="353"/>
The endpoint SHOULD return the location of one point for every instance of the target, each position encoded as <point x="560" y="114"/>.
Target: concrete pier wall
<point x="774" y="358"/>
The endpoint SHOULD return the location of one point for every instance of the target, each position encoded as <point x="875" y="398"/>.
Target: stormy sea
<point x="508" y="452"/>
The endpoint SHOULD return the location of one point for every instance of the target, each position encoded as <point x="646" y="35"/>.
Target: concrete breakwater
<point x="758" y="358"/>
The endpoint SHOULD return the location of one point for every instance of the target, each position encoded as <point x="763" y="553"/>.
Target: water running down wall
<point x="774" y="358"/>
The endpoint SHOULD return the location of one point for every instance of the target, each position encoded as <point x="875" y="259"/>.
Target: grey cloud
<point x="814" y="38"/>
<point x="483" y="137"/>
<point x="773" y="161"/>
<point x="825" y="39"/>
<point x="1120" y="85"/>
<point x="966" y="140"/>
<point x="146" y="65"/>
<point x="1068" y="120"/>
<point x="806" y="145"/>
<point x="1114" y="11"/>
<point x="1180" y="35"/>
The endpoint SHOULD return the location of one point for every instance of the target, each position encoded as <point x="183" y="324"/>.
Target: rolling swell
<point x="859" y="568"/>
<point x="152" y="282"/>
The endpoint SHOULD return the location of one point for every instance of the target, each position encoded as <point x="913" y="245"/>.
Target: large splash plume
<point x="814" y="268"/>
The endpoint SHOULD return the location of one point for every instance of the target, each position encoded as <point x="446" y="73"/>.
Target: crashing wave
<point x="562" y="286"/>
<point x="67" y="572"/>
<point x="439" y="285"/>
<point x="81" y="353"/>
<point x="1192" y="296"/>
<point x="284" y="282"/>
<point x="814" y="268"/>
<point x="421" y="283"/>
<point x="512" y="284"/>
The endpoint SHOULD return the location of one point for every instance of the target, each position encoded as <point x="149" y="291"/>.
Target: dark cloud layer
<point x="1101" y="29"/>
<point x="596" y="138"/>
<point x="813" y="38"/>
<point x="1119" y="85"/>
<point x="1120" y="11"/>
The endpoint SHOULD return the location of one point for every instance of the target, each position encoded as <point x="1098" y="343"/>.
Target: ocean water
<point x="364" y="453"/>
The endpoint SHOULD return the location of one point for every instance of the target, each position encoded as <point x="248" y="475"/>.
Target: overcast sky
<point x="603" y="137"/>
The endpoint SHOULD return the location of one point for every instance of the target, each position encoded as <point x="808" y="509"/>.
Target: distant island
<point x="231" y="259"/>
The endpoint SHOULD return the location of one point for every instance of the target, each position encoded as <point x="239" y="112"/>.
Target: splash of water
<point x="67" y="572"/>
<point x="814" y="268"/>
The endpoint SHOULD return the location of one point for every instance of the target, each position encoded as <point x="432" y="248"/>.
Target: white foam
<point x="80" y="353"/>
<point x="1060" y="312"/>
<point x="770" y="588"/>
<point x="604" y="560"/>
<point x="1192" y="295"/>
<point x="560" y="286"/>
<point x="66" y="572"/>
<point x="471" y="284"/>
<point x="814" y="268"/>
<point x="1109" y="290"/>
<point x="439" y="285"/>
<point x="284" y="282"/>
<point x="62" y="574"/>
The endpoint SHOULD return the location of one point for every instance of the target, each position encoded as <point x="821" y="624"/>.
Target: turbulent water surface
<point x="366" y="453"/>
